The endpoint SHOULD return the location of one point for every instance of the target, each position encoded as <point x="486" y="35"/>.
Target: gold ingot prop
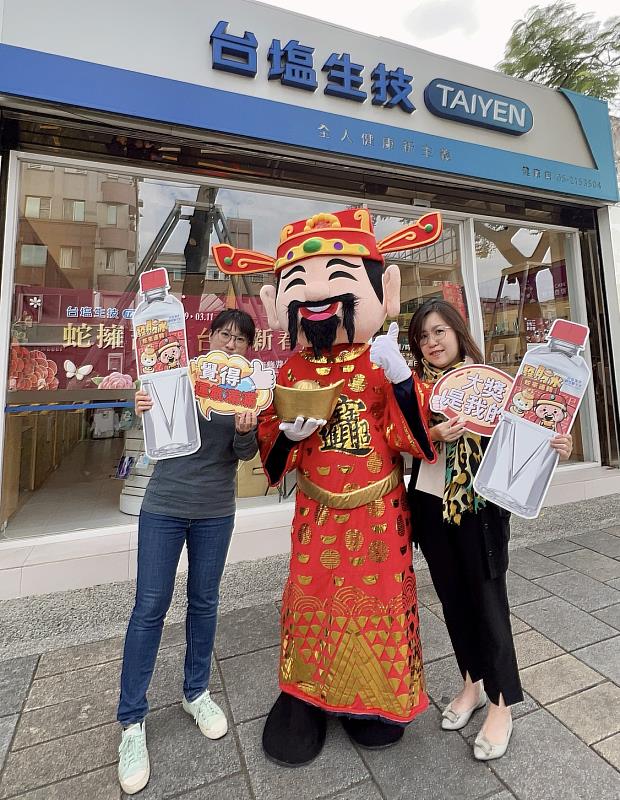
<point x="306" y="399"/>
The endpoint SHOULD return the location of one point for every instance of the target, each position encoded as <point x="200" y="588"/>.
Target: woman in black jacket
<point x="463" y="537"/>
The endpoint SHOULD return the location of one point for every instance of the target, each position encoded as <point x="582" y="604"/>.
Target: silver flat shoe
<point x="452" y="721"/>
<point x="485" y="751"/>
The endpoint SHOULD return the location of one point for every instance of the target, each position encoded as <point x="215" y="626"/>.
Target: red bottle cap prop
<point x="570" y="332"/>
<point x="154" y="279"/>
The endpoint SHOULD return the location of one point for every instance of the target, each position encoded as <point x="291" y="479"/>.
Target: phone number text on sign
<point x="476" y="393"/>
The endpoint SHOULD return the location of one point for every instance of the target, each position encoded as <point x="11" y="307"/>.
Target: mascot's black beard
<point x="321" y="335"/>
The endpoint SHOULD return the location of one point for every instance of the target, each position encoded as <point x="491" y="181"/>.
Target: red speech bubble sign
<point x="477" y="393"/>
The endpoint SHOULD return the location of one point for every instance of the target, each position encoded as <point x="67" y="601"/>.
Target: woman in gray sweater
<point x="190" y="500"/>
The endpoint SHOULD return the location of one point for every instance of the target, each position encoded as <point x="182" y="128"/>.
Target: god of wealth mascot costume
<point x="350" y="641"/>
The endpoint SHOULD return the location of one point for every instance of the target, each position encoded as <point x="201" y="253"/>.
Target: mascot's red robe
<point x="350" y="626"/>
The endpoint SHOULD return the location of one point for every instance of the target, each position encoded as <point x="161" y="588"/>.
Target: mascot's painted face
<point x="327" y="300"/>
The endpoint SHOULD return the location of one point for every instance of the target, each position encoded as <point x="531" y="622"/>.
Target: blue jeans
<point x="160" y="541"/>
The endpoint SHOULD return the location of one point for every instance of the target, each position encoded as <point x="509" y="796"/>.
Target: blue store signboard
<point x="316" y="87"/>
<point x="472" y="106"/>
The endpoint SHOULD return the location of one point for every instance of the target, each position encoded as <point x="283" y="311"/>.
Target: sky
<point x="474" y="31"/>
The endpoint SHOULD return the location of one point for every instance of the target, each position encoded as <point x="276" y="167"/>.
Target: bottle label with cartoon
<point x="160" y="346"/>
<point x="546" y="397"/>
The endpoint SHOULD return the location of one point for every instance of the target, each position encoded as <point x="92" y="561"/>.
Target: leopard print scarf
<point x="463" y="458"/>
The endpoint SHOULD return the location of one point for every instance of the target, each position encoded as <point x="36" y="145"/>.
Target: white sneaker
<point x="134" y="769"/>
<point x="208" y="715"/>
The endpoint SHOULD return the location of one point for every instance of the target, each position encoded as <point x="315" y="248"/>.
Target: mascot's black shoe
<point x="374" y="734"/>
<point x="294" y="733"/>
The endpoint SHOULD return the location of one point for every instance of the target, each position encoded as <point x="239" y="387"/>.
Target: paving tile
<point x="15" y="677"/>
<point x="422" y="576"/>
<point x="7" y="727"/>
<point x="505" y="795"/>
<point x="60" y="759"/>
<point x="102" y="784"/>
<point x="166" y="685"/>
<point x="366" y="790"/>
<point x="80" y="656"/>
<point x="338" y="766"/>
<point x="555" y="547"/>
<point x="532" y="648"/>
<point x="545" y="760"/>
<point x="430" y="764"/>
<point x="557" y="678"/>
<point x="437" y="610"/>
<point x="245" y="701"/>
<point x="528" y="564"/>
<point x="610" y="615"/>
<point x="234" y="788"/>
<point x="87" y="655"/>
<point x="604" y="657"/>
<point x="182" y="758"/>
<point x="615" y="584"/>
<point x="563" y="623"/>
<point x="427" y="595"/>
<point x="435" y="640"/>
<point x="443" y="680"/>
<point x="517" y="625"/>
<point x="610" y="750"/>
<point x="246" y="630"/>
<point x="597" y="566"/>
<point x="61" y="719"/>
<point x="614" y="530"/>
<point x="520" y="590"/>
<point x="472" y="729"/>
<point x="593" y="714"/>
<point x="73" y="685"/>
<point x="580" y="590"/>
<point x="604" y="543"/>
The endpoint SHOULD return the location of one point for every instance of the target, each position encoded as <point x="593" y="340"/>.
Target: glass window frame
<point x="464" y="220"/>
<point x="75" y="204"/>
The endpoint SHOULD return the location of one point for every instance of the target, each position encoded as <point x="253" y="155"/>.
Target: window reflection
<point x="524" y="286"/>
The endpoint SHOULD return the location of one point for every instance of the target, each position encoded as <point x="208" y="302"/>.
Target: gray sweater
<point x="202" y="485"/>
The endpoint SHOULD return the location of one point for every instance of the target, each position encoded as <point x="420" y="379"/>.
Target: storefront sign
<point x="462" y="103"/>
<point x="293" y="65"/>
<point x="286" y="79"/>
<point x="476" y="393"/>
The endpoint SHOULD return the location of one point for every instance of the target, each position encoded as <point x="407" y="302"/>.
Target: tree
<point x="556" y="46"/>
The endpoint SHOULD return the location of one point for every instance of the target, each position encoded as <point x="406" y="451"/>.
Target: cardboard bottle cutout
<point x="518" y="465"/>
<point x="171" y="425"/>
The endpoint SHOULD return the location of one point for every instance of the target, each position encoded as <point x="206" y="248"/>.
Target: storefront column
<point x="609" y="236"/>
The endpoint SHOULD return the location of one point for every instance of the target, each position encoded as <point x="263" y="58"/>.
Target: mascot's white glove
<point x="385" y="352"/>
<point x="302" y="428"/>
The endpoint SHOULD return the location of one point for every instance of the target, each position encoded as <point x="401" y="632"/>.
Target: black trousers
<point x="475" y="606"/>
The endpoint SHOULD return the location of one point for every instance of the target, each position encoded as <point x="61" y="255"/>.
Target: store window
<point x="428" y="273"/>
<point x="526" y="281"/>
<point x="72" y="454"/>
